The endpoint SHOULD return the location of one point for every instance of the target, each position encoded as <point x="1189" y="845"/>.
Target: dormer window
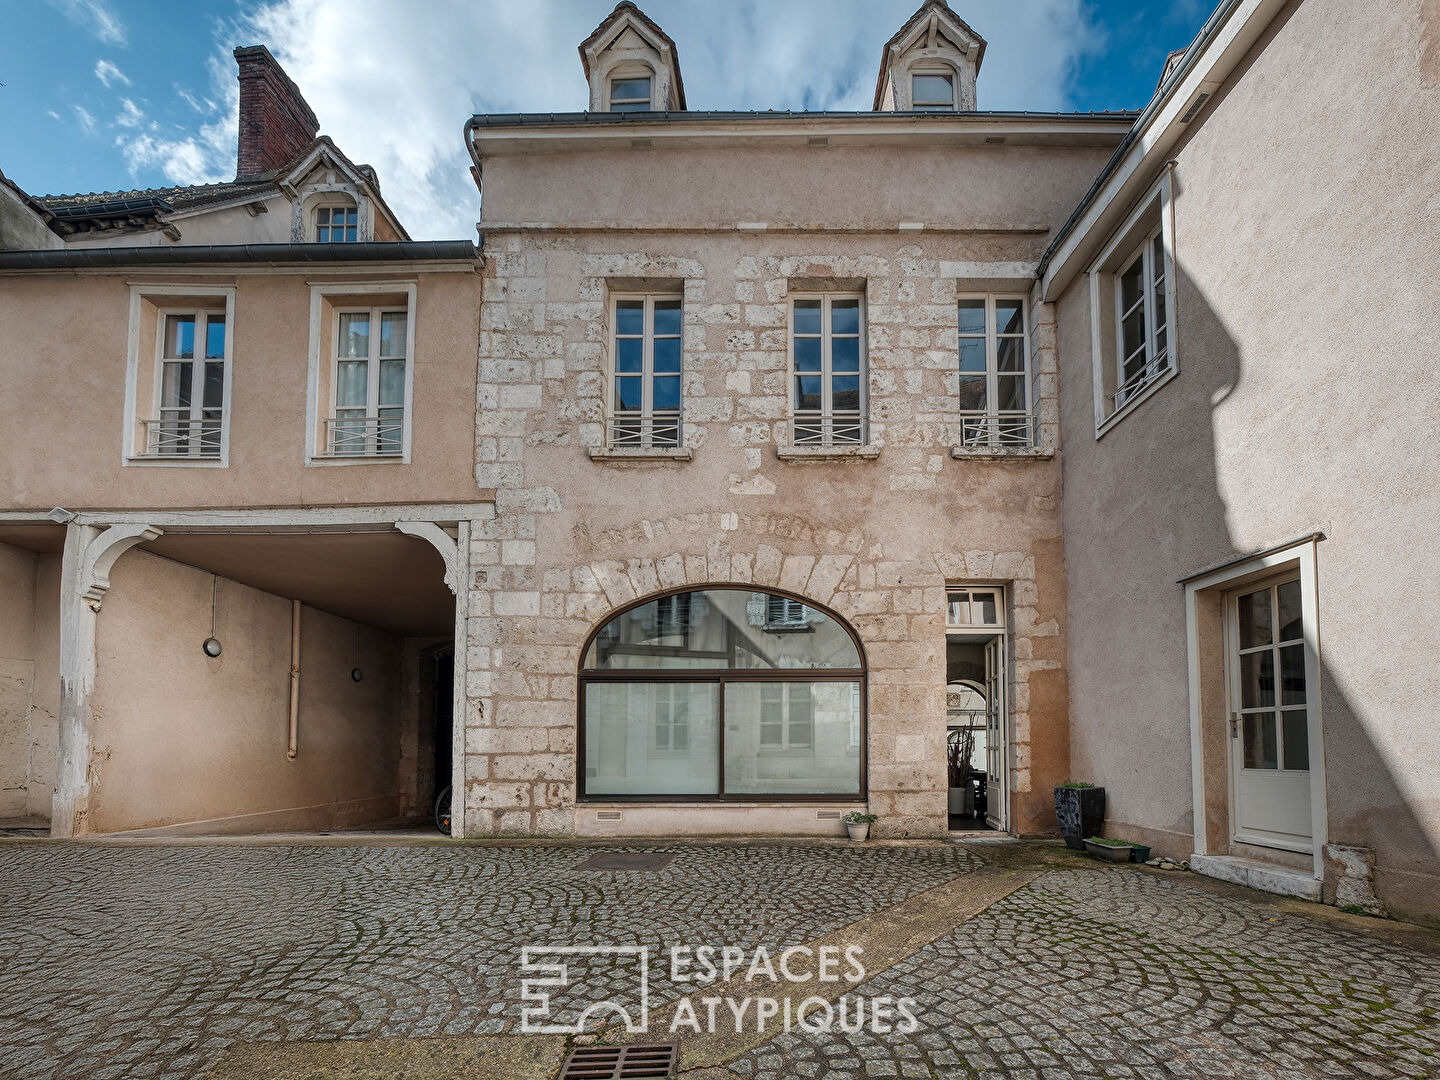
<point x="630" y="94"/>
<point x="932" y="92"/>
<point x="336" y="225"/>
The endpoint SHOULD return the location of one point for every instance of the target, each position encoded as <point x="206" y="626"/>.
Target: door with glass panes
<point x="1269" y="717"/>
<point x="996" y="776"/>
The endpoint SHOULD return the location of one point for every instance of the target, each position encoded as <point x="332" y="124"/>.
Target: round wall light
<point x="356" y="675"/>
<point x="211" y="647"/>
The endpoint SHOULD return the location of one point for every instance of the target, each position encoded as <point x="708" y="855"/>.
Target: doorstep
<point x="1267" y="877"/>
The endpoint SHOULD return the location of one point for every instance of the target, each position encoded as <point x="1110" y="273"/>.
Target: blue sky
<point x="110" y="94"/>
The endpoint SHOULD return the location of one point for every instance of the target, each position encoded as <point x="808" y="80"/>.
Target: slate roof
<point x="173" y="198"/>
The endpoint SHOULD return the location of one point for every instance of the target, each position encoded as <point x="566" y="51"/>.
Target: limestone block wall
<point x="876" y="540"/>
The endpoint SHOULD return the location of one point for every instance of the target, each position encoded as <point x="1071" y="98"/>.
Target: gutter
<point x="1217" y="19"/>
<point x="265" y="254"/>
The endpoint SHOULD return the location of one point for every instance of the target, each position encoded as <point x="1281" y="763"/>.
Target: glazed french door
<point x="1269" y="718"/>
<point x="996" y="737"/>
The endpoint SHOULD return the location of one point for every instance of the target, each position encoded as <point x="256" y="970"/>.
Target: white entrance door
<point x="996" y="779"/>
<point x="1269" y="719"/>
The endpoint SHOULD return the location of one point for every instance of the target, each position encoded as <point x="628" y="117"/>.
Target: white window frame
<point x="372" y="421"/>
<point x="940" y="71"/>
<point x="331" y="206"/>
<point x="650" y="424"/>
<point x="1154" y="213"/>
<point x="1144" y="254"/>
<point x="994" y="427"/>
<point x="168" y="300"/>
<point x="826" y="417"/>
<point x="317" y="410"/>
<point x="629" y="74"/>
<point x="996" y="592"/>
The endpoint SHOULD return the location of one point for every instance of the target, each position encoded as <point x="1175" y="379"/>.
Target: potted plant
<point x="958" y="751"/>
<point x="858" y="824"/>
<point x="1105" y="847"/>
<point x="1080" y="809"/>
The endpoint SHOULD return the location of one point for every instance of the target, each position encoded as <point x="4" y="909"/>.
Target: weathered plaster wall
<point x="790" y="183"/>
<point x="179" y="737"/>
<point x="73" y="331"/>
<point x="877" y="541"/>
<point x="29" y="681"/>
<point x="20" y="227"/>
<point x="1306" y="400"/>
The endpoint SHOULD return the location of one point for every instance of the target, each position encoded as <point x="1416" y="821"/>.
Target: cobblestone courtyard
<point x="402" y="959"/>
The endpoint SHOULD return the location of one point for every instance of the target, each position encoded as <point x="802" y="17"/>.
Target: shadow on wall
<point x="1236" y="455"/>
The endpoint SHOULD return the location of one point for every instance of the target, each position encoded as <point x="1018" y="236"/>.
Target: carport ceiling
<point x="45" y="539"/>
<point x="383" y="579"/>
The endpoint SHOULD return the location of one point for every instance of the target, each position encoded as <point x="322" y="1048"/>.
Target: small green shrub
<point x="1076" y="784"/>
<point x="855" y="817"/>
<point x="1110" y="841"/>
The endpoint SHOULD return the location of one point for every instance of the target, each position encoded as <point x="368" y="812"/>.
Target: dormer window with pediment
<point x="931" y="64"/>
<point x="334" y="201"/>
<point x="632" y="65"/>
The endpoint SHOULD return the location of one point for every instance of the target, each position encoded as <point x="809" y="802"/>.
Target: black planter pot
<point x="1081" y="812"/>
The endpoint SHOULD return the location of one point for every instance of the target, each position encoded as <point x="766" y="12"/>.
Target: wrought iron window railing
<point x="1137" y="382"/>
<point x="980" y="430"/>
<point x="644" y="431"/>
<point x="840" y="428"/>
<point x="365" y="436"/>
<point x="169" y="436"/>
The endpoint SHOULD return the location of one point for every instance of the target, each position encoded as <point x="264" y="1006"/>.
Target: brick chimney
<point x="275" y="122"/>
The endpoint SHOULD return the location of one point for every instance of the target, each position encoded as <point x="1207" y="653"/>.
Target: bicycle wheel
<point x="442" y="811"/>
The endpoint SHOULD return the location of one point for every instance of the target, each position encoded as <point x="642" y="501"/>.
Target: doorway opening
<point x="977" y="728"/>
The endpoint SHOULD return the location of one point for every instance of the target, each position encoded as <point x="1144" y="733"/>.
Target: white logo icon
<point x="555" y="974"/>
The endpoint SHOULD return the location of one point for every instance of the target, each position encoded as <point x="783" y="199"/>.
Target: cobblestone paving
<point x="147" y="961"/>
<point x="1111" y="973"/>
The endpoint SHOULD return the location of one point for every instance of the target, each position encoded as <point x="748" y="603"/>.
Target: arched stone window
<point x="722" y="693"/>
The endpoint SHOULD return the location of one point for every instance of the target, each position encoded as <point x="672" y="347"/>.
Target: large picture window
<point x="707" y="694"/>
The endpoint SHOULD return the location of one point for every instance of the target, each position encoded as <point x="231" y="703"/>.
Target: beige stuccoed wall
<point x="1306" y="232"/>
<point x="17" y="675"/>
<point x="65" y="408"/>
<point x="179" y="737"/>
<point x="849" y="186"/>
<point x="876" y="541"/>
<point x="29" y="681"/>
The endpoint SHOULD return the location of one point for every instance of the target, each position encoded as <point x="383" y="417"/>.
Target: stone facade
<point x="875" y="538"/>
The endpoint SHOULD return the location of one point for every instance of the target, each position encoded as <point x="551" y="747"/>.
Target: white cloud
<point x="400" y="103"/>
<point x="95" y="17"/>
<point x="86" y="120"/>
<point x="206" y="157"/>
<point x="130" y="116"/>
<point x="109" y="74"/>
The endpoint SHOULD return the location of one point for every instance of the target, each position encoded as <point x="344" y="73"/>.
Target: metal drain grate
<point x="655" y="1060"/>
